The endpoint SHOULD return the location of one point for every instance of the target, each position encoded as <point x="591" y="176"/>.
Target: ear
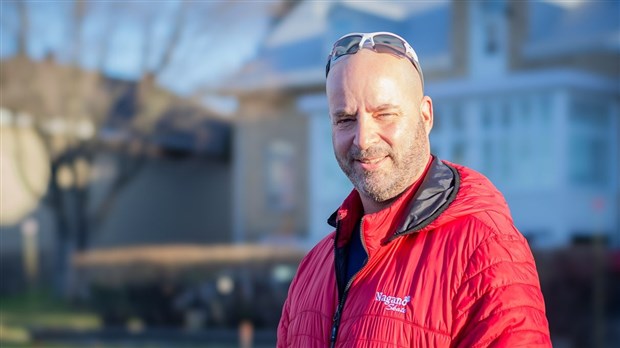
<point x="426" y="112"/>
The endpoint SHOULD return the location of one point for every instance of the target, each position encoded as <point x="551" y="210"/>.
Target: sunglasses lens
<point x="347" y="45"/>
<point x="390" y="42"/>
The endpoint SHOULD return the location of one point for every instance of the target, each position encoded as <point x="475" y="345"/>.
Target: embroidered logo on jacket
<point x="393" y="303"/>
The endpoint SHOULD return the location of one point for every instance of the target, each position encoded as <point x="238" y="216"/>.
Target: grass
<point x="38" y="309"/>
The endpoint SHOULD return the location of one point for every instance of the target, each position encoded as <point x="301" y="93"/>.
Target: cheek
<point x="341" y="142"/>
<point x="395" y="134"/>
<point x="400" y="136"/>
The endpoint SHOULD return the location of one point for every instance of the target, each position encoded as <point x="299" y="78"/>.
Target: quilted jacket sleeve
<point x="498" y="302"/>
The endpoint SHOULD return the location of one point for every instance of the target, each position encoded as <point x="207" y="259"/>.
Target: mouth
<point x="370" y="163"/>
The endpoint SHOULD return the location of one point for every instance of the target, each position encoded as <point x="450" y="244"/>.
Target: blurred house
<point x="180" y="191"/>
<point x="166" y="181"/>
<point x="525" y="92"/>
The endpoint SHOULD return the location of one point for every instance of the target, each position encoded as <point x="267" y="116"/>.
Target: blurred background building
<point x="170" y="164"/>
<point x="525" y="92"/>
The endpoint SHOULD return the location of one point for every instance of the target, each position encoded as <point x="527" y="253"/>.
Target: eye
<point x="342" y="121"/>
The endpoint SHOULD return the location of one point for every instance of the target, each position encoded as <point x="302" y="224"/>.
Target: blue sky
<point x="214" y="42"/>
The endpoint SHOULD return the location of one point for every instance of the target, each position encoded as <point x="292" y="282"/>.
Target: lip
<point x="370" y="163"/>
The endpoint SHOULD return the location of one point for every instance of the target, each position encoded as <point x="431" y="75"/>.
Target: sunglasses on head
<point x="381" y="42"/>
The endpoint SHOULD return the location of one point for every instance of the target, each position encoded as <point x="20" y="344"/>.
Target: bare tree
<point x="71" y="102"/>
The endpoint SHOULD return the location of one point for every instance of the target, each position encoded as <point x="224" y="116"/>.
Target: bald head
<point x="368" y="64"/>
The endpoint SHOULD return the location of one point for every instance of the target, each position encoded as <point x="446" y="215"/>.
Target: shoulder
<point x="480" y="207"/>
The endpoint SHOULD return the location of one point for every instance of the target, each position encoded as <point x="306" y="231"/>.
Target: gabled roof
<point x="306" y="20"/>
<point x="310" y="18"/>
<point x="293" y="55"/>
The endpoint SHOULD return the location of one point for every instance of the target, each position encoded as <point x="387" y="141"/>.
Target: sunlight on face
<point x="379" y="135"/>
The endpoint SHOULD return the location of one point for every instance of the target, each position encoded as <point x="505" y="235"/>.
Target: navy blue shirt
<point x="356" y="255"/>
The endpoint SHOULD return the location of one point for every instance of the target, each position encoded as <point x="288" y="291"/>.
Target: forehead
<point x="371" y="78"/>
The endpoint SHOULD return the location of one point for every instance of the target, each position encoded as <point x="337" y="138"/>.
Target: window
<point x="493" y="11"/>
<point x="588" y="160"/>
<point x="492" y="41"/>
<point x="589" y="115"/>
<point x="525" y="114"/>
<point x="506" y="116"/>
<point x="589" y="143"/>
<point x="486" y="118"/>
<point x="281" y="176"/>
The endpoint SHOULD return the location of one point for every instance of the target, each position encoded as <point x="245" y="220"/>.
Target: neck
<point x="371" y="206"/>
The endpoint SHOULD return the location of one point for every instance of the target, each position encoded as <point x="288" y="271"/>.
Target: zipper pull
<point x="335" y="324"/>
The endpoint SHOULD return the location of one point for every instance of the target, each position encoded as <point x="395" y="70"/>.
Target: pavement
<point x="152" y="337"/>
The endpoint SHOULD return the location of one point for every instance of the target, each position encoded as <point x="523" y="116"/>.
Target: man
<point x="425" y="253"/>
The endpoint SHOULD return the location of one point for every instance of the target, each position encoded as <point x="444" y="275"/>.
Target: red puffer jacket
<point x="446" y="268"/>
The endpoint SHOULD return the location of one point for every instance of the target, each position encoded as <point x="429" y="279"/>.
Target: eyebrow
<point x="342" y="113"/>
<point x="383" y="107"/>
<point x="388" y="106"/>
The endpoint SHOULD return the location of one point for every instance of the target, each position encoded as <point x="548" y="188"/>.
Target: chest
<point x="400" y="298"/>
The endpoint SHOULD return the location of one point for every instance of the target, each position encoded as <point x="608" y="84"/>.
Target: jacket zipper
<point x="338" y="314"/>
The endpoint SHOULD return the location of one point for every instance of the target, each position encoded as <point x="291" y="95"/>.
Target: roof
<point x="311" y="18"/>
<point x="294" y="54"/>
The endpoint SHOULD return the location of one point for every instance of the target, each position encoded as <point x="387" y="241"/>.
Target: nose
<point x="366" y="132"/>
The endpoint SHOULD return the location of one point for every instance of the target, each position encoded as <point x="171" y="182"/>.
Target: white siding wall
<point x="520" y="140"/>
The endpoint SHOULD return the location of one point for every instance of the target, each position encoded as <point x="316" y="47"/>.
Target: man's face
<point x="380" y="122"/>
